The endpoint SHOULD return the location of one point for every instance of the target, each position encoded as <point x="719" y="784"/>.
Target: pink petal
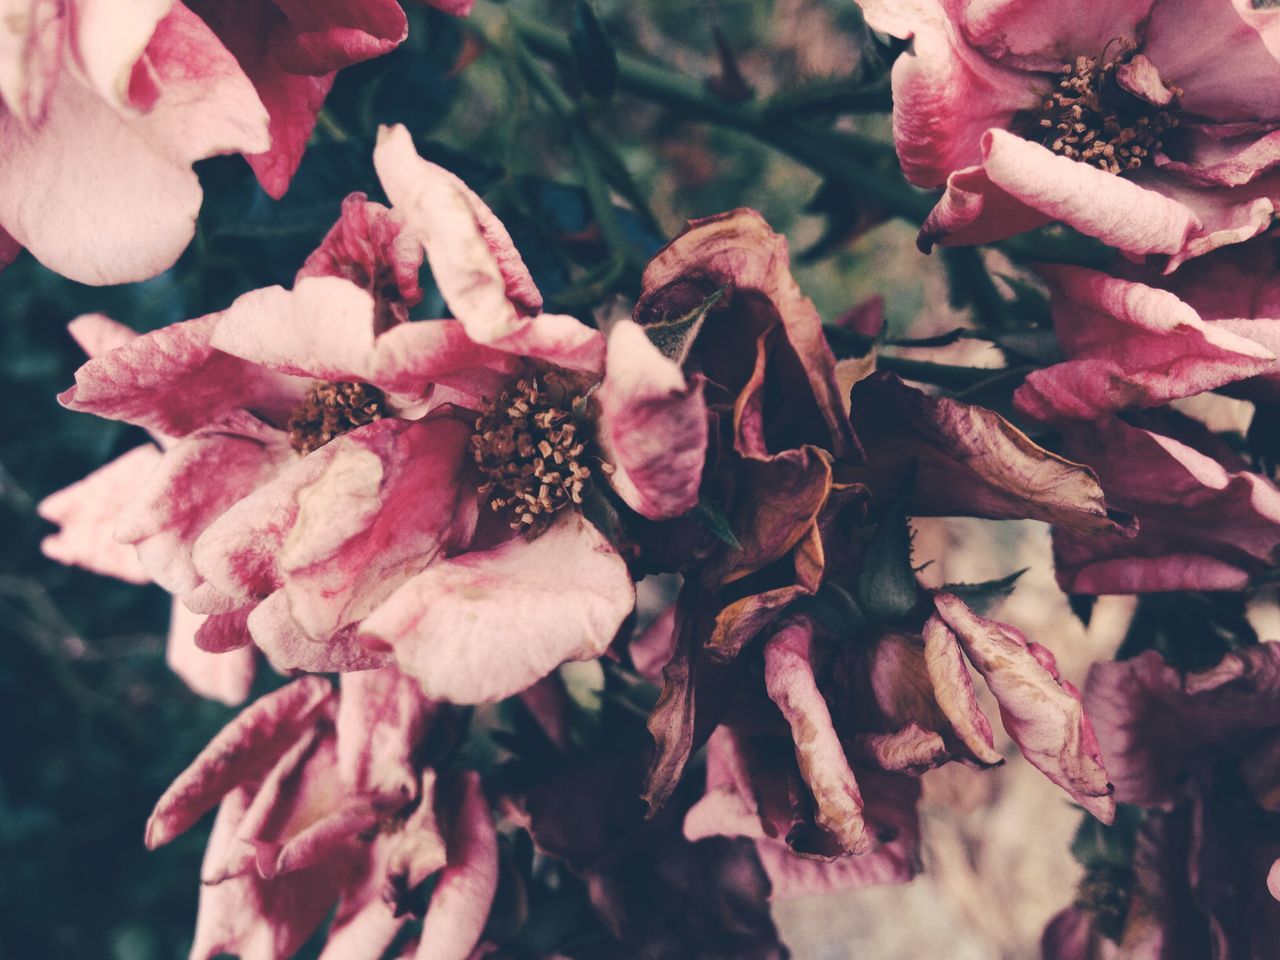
<point x="1273" y="880"/>
<point x="968" y="461"/>
<point x="173" y="381"/>
<point x="239" y="553"/>
<point x="411" y="358"/>
<point x="953" y="688"/>
<point x="96" y="333"/>
<point x="198" y="478"/>
<point x="473" y="260"/>
<point x="1201" y="526"/>
<point x="1118" y="211"/>
<point x="484" y="625"/>
<point x="653" y="426"/>
<point x="109" y="45"/>
<point x="1226" y="73"/>
<point x="788" y="676"/>
<point x="322" y="328"/>
<point x="104" y="196"/>
<point x="244" y="749"/>
<point x="1222" y="216"/>
<point x="382" y="716"/>
<point x="88" y="511"/>
<point x="370" y="247"/>
<point x="945" y="97"/>
<point x="290" y="650"/>
<point x="387" y="504"/>
<point x="464" y="893"/>
<point x="1043" y="714"/>
<point x="222" y="632"/>
<point x="225" y="677"/>
<point x="1130" y="345"/>
<point x="1042" y="35"/>
<point x="318" y="37"/>
<point x="418" y="849"/>
<point x="32" y="48"/>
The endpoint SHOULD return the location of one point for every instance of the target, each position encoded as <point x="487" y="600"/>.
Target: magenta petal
<point x="463" y="895"/>
<point x="1130" y="345"/>
<point x="318" y="37"/>
<point x="199" y="477"/>
<point x="173" y="381"/>
<point x="388" y="502"/>
<point x="1043" y="714"/>
<point x="789" y="679"/>
<point x="245" y="748"/>
<point x="381" y="717"/>
<point x="487" y="624"/>
<point x="88" y="511"/>
<point x="653" y="426"/>
<point x="225" y="676"/>
<point x="1041" y="34"/>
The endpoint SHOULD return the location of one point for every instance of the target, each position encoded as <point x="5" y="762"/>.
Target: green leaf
<point x="713" y="517"/>
<point x="674" y="337"/>
<point x="594" y="58"/>
<point x="887" y="588"/>
<point x="982" y="597"/>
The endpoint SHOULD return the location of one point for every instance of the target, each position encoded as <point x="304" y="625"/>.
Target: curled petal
<point x="953" y="688"/>
<point x="653" y="426"/>
<point x="791" y="684"/>
<point x="244" y="749"/>
<point x="88" y="511"/>
<point x="487" y="624"/>
<point x="1130" y="345"/>
<point x="969" y="461"/>
<point x="291" y="650"/>
<point x="1041" y="712"/>
<point x="381" y="718"/>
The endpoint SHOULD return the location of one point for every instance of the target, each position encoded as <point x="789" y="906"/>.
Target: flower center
<point x="530" y="445"/>
<point x="331" y="409"/>
<point x="1110" y="114"/>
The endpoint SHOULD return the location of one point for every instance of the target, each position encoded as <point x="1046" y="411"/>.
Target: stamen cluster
<point x="1090" y="117"/>
<point x="331" y="409"/>
<point x="530" y="446"/>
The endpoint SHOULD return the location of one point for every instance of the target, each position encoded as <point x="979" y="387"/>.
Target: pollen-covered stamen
<point x="1111" y="114"/>
<point x="531" y="446"/>
<point x="331" y="409"/>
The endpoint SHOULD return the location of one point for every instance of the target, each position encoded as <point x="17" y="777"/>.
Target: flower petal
<point x="1042" y="713"/>
<point x="1202" y="526"/>
<point x="463" y="895"/>
<point x="244" y="749"/>
<point x="789" y="679"/>
<point x="968" y="461"/>
<point x="652" y="427"/>
<point x="88" y="511"/>
<point x="108" y="196"/>
<point x="1130" y="345"/>
<point x="290" y="650"/>
<point x="381" y="718"/>
<point x="487" y="624"/>
<point x="225" y="676"/>
<point x="953" y="689"/>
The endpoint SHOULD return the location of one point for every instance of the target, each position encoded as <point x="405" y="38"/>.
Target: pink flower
<point x="1205" y="522"/>
<point x="1106" y="120"/>
<point x="101" y="118"/>
<point x="338" y="470"/>
<point x="321" y="803"/>
<point x="291" y="51"/>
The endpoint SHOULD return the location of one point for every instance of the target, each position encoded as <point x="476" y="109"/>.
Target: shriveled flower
<point x="321" y="803"/>
<point x="101" y="118"/>
<point x="794" y="477"/>
<point x="1199" y="750"/>
<point x="393" y="487"/>
<point x="1206" y="522"/>
<point x="1107" y="120"/>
